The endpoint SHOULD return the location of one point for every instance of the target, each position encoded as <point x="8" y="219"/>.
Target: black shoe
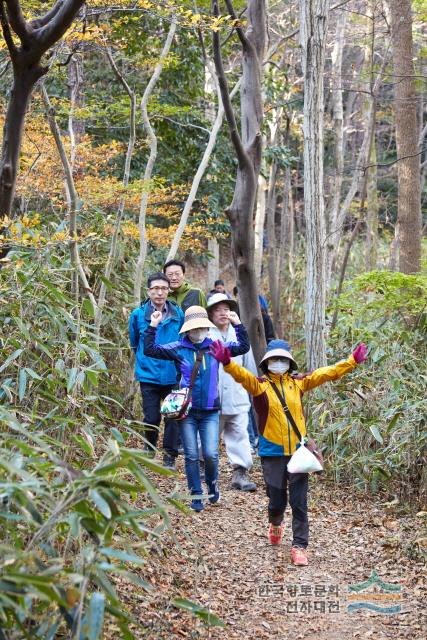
<point x="169" y="462"/>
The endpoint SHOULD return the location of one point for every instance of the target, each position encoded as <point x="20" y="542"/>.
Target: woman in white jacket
<point x="235" y="402"/>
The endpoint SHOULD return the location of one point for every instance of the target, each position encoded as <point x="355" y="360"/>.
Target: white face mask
<point x="197" y="335"/>
<point x="278" y="366"/>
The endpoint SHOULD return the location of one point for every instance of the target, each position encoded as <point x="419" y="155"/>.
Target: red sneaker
<point x="299" y="556"/>
<point x="275" y="534"/>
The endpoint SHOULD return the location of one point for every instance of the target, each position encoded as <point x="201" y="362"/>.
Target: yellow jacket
<point x="276" y="436"/>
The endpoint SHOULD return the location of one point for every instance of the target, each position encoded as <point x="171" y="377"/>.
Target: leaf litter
<point x="221" y="561"/>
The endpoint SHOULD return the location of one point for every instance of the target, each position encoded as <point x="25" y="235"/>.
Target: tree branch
<point x="242" y="37"/>
<point x="7" y="33"/>
<point x="74" y="204"/>
<point x="58" y="24"/>
<point x="388" y="164"/>
<point x="120" y="77"/>
<point x="37" y="23"/>
<point x="242" y="156"/>
<point x="17" y="21"/>
<point x="4" y="69"/>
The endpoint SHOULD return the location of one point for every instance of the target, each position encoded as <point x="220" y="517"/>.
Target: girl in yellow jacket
<point x="277" y="438"/>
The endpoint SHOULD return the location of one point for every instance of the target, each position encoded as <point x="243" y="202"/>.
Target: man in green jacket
<point x="181" y="292"/>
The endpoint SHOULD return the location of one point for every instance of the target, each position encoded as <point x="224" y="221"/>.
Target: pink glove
<point x="359" y="354"/>
<point x="220" y="352"/>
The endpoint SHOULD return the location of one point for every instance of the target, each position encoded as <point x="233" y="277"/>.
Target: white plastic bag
<point x="303" y="461"/>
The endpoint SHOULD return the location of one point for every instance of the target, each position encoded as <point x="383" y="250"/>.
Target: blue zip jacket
<point x="183" y="352"/>
<point x="152" y="370"/>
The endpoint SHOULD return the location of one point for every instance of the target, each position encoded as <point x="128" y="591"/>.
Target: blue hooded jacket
<point x="205" y="391"/>
<point x="152" y="370"/>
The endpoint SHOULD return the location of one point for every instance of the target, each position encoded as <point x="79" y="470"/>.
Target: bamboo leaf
<point x="10" y="359"/>
<point x="95" y="616"/>
<point x="375" y="432"/>
<point x="22" y="384"/>
<point x="100" y="503"/>
<point x="202" y="613"/>
<point x="71" y="379"/>
<point x="123" y="556"/>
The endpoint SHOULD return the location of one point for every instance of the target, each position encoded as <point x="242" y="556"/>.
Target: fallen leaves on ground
<point x="220" y="559"/>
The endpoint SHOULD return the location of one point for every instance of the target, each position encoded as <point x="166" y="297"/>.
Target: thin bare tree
<point x="152" y="140"/>
<point x="248" y="148"/>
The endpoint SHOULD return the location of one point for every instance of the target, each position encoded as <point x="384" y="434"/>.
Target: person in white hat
<point x="203" y="417"/>
<point x="234" y="399"/>
<point x="277" y="400"/>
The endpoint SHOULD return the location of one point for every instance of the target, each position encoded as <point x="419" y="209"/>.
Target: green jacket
<point x="187" y="296"/>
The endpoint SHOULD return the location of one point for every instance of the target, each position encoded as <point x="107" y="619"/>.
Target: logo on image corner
<point x="375" y="595"/>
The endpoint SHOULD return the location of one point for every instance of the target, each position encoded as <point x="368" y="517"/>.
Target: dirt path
<point x="224" y="563"/>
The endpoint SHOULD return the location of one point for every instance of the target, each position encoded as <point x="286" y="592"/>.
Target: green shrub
<point x="373" y="422"/>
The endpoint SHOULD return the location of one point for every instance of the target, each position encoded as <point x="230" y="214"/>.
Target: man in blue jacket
<point x="156" y="377"/>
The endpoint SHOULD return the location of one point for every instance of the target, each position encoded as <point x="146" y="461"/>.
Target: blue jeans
<point x="206" y="423"/>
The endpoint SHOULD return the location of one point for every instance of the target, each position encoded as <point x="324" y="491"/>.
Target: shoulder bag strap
<point x="288" y="414"/>
<point x="196" y="368"/>
<point x="194" y="373"/>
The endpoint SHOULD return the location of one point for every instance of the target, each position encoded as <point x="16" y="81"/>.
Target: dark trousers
<point x="152" y="397"/>
<point x="278" y="484"/>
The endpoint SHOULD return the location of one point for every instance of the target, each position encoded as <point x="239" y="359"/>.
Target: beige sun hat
<point x="216" y="298"/>
<point x="196" y="318"/>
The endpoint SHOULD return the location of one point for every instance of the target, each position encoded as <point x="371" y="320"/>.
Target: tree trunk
<point x="13" y="129"/>
<point x="76" y="126"/>
<point x="248" y="149"/>
<point x="213" y="263"/>
<point x="216" y="126"/>
<point x="259" y="226"/>
<point x="372" y="206"/>
<point x="408" y="166"/>
<point x="152" y="138"/>
<point x="338" y="130"/>
<point x="35" y="39"/>
<point x="285" y="255"/>
<point x="314" y="20"/>
<point x="74" y="201"/>
<point x="126" y="177"/>
<point x="273" y="245"/>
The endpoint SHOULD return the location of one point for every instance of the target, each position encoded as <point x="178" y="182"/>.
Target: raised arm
<point x="334" y="372"/>
<point x="242" y="344"/>
<point x="223" y="354"/>
<point x="156" y="350"/>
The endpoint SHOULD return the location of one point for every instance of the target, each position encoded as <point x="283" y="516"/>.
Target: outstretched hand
<point x="360" y="353"/>
<point x="220" y="352"/>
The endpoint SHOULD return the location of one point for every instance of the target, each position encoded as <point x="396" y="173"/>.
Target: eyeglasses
<point x="175" y="274"/>
<point x="158" y="289"/>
